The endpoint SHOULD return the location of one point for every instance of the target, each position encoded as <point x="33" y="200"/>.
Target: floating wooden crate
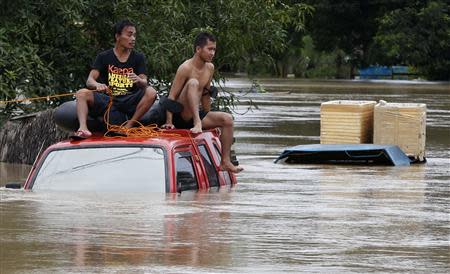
<point x="346" y="122"/>
<point x="402" y="124"/>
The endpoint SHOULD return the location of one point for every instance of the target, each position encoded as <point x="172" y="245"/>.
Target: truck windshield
<point x="128" y="169"/>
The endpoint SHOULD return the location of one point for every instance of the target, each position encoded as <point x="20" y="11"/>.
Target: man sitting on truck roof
<point x="191" y="87"/>
<point x="120" y="71"/>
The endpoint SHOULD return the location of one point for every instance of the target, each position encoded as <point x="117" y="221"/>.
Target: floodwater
<point x="278" y="219"/>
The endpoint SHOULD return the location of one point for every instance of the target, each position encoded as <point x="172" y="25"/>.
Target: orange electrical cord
<point x="121" y="131"/>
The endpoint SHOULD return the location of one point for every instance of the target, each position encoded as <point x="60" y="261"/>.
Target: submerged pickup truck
<point x="178" y="162"/>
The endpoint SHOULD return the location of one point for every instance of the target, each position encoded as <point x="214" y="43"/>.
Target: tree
<point x="293" y="17"/>
<point x="348" y="25"/>
<point x="417" y="35"/>
<point x="43" y="50"/>
<point x="46" y="46"/>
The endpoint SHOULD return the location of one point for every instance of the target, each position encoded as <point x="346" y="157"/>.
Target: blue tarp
<point x="375" y="72"/>
<point x="383" y="72"/>
<point x="400" y="70"/>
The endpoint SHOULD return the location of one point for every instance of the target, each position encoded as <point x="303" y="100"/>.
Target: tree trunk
<point x="21" y="139"/>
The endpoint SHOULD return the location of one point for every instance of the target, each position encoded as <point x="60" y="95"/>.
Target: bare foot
<point x="129" y="124"/>
<point x="196" y="129"/>
<point x="231" y="167"/>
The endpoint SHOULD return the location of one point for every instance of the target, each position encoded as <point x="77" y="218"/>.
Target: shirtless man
<point x="122" y="71"/>
<point x="191" y="88"/>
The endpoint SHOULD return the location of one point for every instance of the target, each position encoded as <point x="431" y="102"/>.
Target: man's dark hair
<point x="202" y="39"/>
<point x="119" y="26"/>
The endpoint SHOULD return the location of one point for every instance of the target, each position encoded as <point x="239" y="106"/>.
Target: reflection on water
<point x="12" y="173"/>
<point x="81" y="231"/>
<point x="279" y="218"/>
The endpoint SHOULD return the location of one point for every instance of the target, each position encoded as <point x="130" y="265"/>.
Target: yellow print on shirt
<point x="119" y="83"/>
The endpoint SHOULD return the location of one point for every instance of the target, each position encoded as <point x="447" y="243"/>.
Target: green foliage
<point x="349" y="27"/>
<point x="293" y="17"/>
<point x="315" y="64"/>
<point x="40" y="56"/>
<point x="418" y="36"/>
<point x="46" y="46"/>
<point x="346" y="25"/>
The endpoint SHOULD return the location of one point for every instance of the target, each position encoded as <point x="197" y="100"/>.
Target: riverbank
<point x="340" y="85"/>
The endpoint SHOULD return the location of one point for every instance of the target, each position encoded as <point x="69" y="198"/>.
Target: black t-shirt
<point x="113" y="73"/>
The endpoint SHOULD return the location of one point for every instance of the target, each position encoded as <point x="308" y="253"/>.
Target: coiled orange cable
<point x="141" y="131"/>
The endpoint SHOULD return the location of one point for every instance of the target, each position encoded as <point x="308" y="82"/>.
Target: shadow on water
<point x="280" y="218"/>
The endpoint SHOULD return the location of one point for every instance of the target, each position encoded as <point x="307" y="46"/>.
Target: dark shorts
<point x="122" y="109"/>
<point x="179" y="123"/>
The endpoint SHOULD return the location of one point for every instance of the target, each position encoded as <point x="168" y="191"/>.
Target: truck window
<point x="225" y="174"/>
<point x="186" y="179"/>
<point x="209" y="166"/>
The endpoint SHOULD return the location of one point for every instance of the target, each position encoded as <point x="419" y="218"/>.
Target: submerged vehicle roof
<point x="175" y="161"/>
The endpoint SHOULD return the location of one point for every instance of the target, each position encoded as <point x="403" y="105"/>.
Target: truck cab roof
<point x="174" y="162"/>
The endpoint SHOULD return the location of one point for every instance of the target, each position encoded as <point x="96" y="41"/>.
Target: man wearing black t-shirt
<point x="120" y="71"/>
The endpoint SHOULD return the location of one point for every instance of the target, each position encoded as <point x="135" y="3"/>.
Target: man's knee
<point x="150" y="93"/>
<point x="226" y="119"/>
<point x="84" y="94"/>
<point x="193" y="85"/>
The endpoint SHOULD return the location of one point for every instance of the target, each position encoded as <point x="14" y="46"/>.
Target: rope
<point x="120" y="131"/>
<point x="48" y="97"/>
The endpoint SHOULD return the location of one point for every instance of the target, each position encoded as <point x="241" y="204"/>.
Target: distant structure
<point x="384" y="72"/>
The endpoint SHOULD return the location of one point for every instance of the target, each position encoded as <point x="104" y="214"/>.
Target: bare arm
<point x="140" y="80"/>
<point x="206" y="99"/>
<point x="91" y="82"/>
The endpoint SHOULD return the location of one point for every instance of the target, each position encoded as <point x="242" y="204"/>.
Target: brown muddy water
<point x="278" y="219"/>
